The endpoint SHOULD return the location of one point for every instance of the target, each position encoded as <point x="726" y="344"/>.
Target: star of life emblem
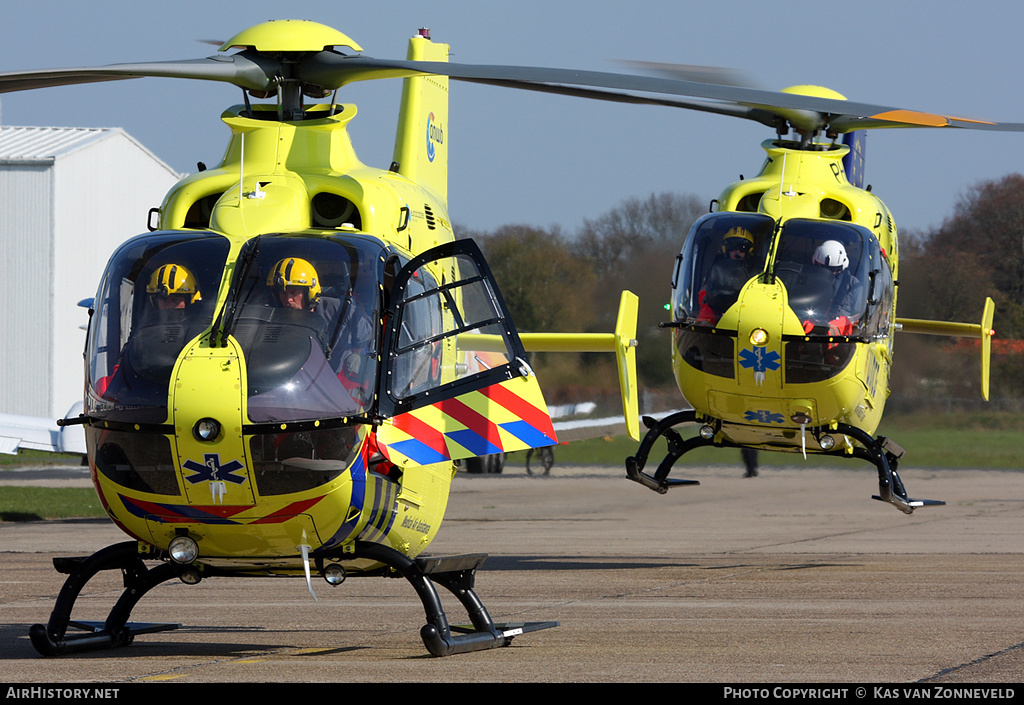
<point x="211" y="470"/>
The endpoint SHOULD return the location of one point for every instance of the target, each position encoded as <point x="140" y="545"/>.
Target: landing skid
<point x="456" y="573"/>
<point x="882" y="452"/>
<point x="677" y="447"/>
<point x="53" y="639"/>
<point x="885" y="455"/>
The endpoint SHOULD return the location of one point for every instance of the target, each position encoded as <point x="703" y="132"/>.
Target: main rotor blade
<point x="741" y="111"/>
<point x="249" y="72"/>
<point x="334" y="70"/>
<point x="255" y="71"/>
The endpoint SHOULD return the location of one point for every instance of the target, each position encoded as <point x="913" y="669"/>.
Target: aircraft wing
<point x="35" y="433"/>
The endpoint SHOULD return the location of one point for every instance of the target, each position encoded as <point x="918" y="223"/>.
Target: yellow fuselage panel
<point x="273" y="170"/>
<point x="218" y="501"/>
<point x="796" y="183"/>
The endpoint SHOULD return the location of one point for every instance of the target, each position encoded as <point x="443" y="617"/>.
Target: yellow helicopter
<point x="283" y="375"/>
<point x="784" y="297"/>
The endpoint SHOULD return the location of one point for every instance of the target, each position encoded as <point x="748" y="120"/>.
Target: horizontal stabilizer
<point x="622" y="342"/>
<point x="983" y="331"/>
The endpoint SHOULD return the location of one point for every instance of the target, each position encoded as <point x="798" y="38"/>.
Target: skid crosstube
<point x="456" y="573"/>
<point x="881" y="452"/>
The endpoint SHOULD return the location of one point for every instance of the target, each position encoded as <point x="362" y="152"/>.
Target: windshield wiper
<point x="242" y="267"/>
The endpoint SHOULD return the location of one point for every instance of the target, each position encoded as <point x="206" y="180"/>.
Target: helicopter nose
<point x="759" y="338"/>
<point x="207" y="403"/>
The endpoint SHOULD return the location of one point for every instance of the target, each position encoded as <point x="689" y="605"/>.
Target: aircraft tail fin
<point x="421" y="146"/>
<point x="853" y="162"/>
<point x="984" y="331"/>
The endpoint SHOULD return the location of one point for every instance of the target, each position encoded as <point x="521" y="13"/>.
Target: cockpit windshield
<point x="159" y="291"/>
<point x="826" y="268"/>
<point x="722" y="253"/>
<point x="304" y="311"/>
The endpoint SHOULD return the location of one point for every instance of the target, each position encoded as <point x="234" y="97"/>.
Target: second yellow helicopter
<point x="784" y="302"/>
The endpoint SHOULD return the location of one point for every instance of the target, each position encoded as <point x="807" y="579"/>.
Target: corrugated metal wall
<point x="26" y="258"/>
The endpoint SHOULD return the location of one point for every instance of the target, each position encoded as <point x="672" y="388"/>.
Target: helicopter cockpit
<point x="837" y="284"/>
<point x="306" y="358"/>
<point x="159" y="292"/>
<point x="824" y="267"/>
<point x="841" y="290"/>
<point x="304" y="310"/>
<point x="722" y="253"/>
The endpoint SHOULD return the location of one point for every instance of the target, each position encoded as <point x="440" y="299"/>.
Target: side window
<point x="880" y="300"/>
<point x="418" y="362"/>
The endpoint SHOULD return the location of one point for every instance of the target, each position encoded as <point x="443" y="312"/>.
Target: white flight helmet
<point x="831" y="254"/>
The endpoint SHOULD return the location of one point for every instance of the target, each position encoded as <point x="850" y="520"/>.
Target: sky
<point x="523" y="158"/>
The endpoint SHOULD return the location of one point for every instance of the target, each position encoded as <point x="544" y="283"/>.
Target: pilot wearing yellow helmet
<point x="295" y="283"/>
<point x="172" y="286"/>
<point x="727" y="275"/>
<point x="737" y="243"/>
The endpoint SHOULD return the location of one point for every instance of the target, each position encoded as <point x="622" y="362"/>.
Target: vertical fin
<point x="986" y="344"/>
<point x="421" y="145"/>
<point x="853" y="162"/>
<point x="625" y="356"/>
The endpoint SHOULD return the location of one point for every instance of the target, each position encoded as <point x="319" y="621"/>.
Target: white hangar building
<point x="68" y="198"/>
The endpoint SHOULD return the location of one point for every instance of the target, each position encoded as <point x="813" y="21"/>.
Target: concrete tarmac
<point x="796" y="576"/>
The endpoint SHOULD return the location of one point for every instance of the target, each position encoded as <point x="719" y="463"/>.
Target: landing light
<point x="206" y="430"/>
<point x="827" y="442"/>
<point x="707" y="432"/>
<point x="334" y="574"/>
<point x="183" y="549"/>
<point x="759" y="336"/>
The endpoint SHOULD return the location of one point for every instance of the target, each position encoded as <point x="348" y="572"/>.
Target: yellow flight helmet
<point x="737" y="238"/>
<point x="174" y="279"/>
<point x="294" y="271"/>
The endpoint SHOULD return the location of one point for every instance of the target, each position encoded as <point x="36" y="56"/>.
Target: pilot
<point x="295" y="284"/>
<point x="171" y="287"/>
<point x="171" y="290"/>
<point x="729" y="272"/>
<point x="847" y="292"/>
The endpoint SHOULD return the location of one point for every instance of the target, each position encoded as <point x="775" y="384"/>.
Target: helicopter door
<point x="455" y="382"/>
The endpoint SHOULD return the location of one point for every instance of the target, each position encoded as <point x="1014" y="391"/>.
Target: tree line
<point x="946" y="273"/>
<point x="554" y="280"/>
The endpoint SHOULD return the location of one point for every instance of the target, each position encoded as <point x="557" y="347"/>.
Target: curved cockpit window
<point x="159" y="291"/>
<point x="826" y="268"/>
<point x="722" y="253"/>
<point x="837" y="284"/>
<point x="305" y="312"/>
